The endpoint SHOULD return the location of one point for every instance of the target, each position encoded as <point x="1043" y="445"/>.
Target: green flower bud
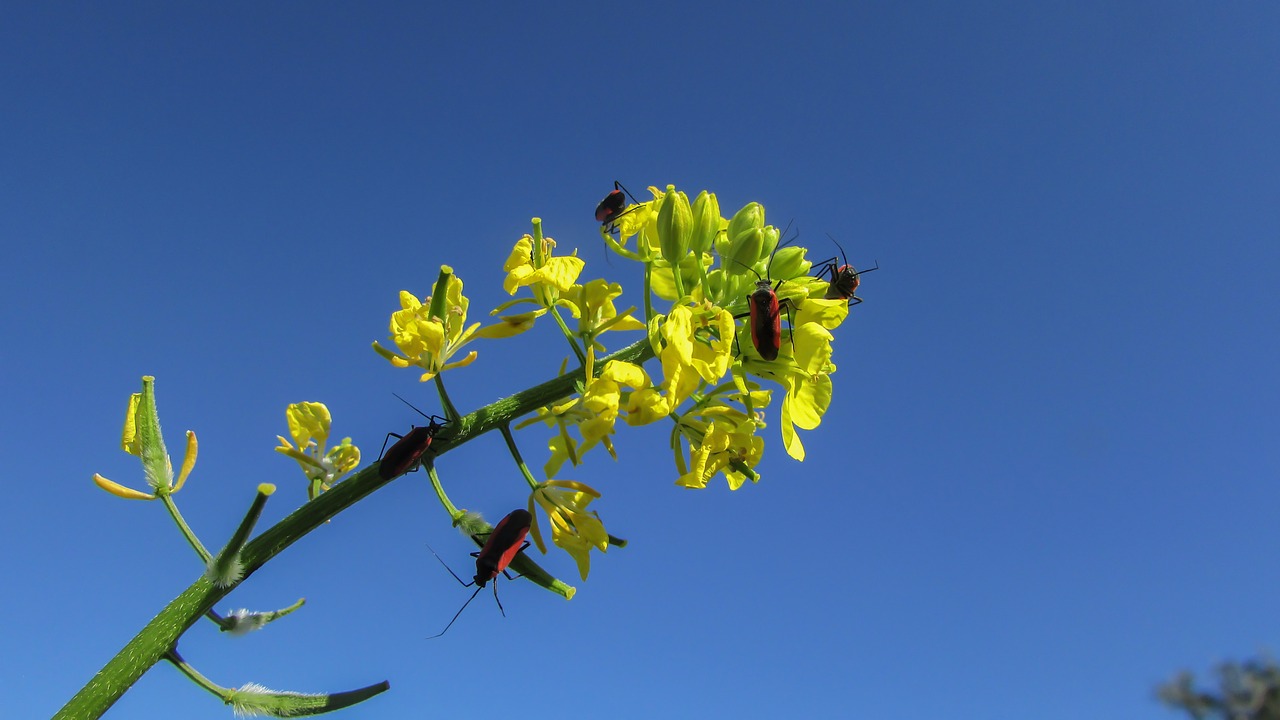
<point x="745" y="251"/>
<point x="771" y="237"/>
<point x="789" y="262"/>
<point x="706" y="222"/>
<point x="751" y="216"/>
<point x="722" y="244"/>
<point x="675" y="225"/>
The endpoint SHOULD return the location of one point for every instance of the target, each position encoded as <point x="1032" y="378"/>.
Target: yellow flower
<point x="429" y="333"/>
<point x="697" y="347"/>
<point x="593" y="414"/>
<point x="721" y="437"/>
<point x="574" y="529"/>
<point x="808" y="386"/>
<point x="602" y="395"/>
<point x="540" y="270"/>
<point x="141" y="437"/>
<point x="723" y="442"/>
<point x="647" y="405"/>
<point x="309" y="426"/>
<point x="592" y="305"/>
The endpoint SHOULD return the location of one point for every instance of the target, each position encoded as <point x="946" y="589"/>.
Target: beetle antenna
<point x="843" y="257"/>
<point x="455" y="617"/>
<point x="451" y="572"/>
<point x="406" y="402"/>
<point x="780" y="245"/>
<point x="619" y="186"/>
<point x="433" y="418"/>
<point x="753" y="270"/>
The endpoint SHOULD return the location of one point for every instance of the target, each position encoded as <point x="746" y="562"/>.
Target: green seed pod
<point x="675" y="226"/>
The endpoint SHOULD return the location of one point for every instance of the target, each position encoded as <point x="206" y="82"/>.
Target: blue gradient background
<point x="1049" y="478"/>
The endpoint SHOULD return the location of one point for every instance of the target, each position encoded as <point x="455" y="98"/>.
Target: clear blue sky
<point x="1050" y="478"/>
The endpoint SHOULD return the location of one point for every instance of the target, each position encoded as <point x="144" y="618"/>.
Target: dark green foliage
<point x="1246" y="691"/>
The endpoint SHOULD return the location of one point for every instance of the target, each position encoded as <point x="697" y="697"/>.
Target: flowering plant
<point x="729" y="305"/>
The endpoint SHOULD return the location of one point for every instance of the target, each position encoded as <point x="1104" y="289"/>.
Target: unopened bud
<point x="745" y="251"/>
<point x="789" y="262"/>
<point x="750" y="217"/>
<point x="675" y="225"/>
<point x="706" y="222"/>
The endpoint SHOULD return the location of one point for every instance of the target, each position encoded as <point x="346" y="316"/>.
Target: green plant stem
<point x="194" y="541"/>
<point x="204" y="682"/>
<point x="450" y="412"/>
<point x="223" y="567"/>
<point x="648" y="293"/>
<point x="160" y="634"/>
<point x="569" y="336"/>
<point x="449" y="507"/>
<point x="515" y="453"/>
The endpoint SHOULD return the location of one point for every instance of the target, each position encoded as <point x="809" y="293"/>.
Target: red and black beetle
<point x="506" y="540"/>
<point x="844" y="278"/>
<point x="611" y="207"/>
<point x="765" y="309"/>
<point x="406" y="454"/>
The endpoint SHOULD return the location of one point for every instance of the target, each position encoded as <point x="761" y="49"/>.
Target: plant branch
<point x="160" y="634"/>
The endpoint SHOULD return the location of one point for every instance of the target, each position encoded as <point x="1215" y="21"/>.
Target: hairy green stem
<point x="160" y="634"/>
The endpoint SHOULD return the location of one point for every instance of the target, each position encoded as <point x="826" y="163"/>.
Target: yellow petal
<point x="188" y="461"/>
<point x="518" y="278"/>
<point x="308" y="420"/>
<point x="646" y="406"/>
<point x="627" y="322"/>
<point x="470" y="358"/>
<point x="574" y="485"/>
<point x="625" y="373"/>
<point x="510" y="325"/>
<point x="808" y="401"/>
<point x="409" y="301"/>
<point x="521" y="254"/>
<point x="827" y="313"/>
<point x="813" y="348"/>
<point x="561" y="272"/>
<point x="129" y="439"/>
<point x="119" y="490"/>
<point x="790" y="439"/>
<point x="678" y="332"/>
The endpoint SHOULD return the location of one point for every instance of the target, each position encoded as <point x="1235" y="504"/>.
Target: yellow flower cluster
<point x="726" y="283"/>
